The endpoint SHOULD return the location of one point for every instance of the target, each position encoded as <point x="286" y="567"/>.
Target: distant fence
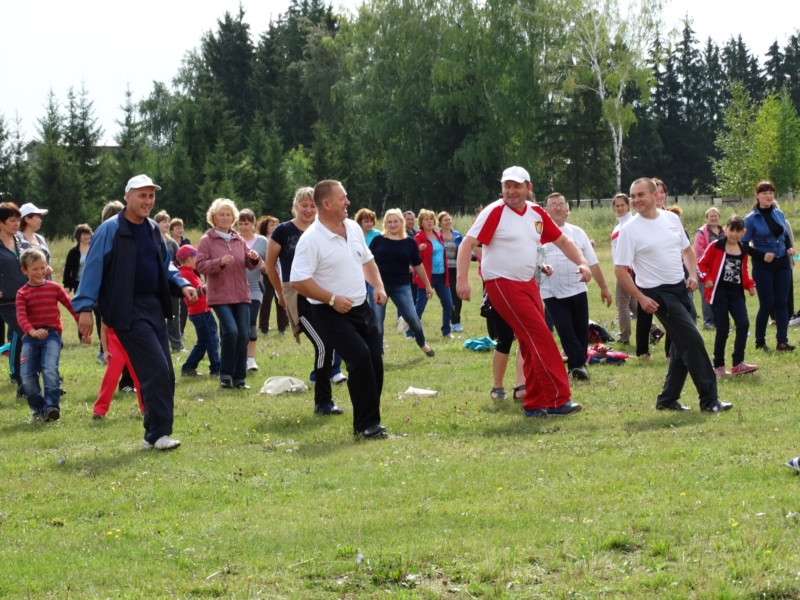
<point x="709" y="200"/>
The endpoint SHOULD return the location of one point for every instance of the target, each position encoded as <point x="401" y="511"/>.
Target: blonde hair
<point x="161" y="216"/>
<point x="31" y="255"/>
<point x="425" y="214"/>
<point x="301" y="194"/>
<point x="219" y="204"/>
<point x="713" y="209"/>
<point x="397" y="213"/>
<point x="441" y="216"/>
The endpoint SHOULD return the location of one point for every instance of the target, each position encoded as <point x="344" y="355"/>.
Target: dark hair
<point x="263" y="224"/>
<point x="8" y="210"/>
<point x="623" y="196"/>
<point x="763" y="186"/>
<point x="651" y="184"/>
<point x="735" y="223"/>
<point x="80" y="230"/>
<point x="247" y="215"/>
<point x="658" y="182"/>
<point x="323" y="190"/>
<point x="112" y="208"/>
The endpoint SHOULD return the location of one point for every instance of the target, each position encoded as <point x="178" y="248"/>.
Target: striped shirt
<point x="37" y="306"/>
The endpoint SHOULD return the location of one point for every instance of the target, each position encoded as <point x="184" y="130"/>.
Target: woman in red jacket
<point x="223" y="257"/>
<point x="723" y="271"/>
<point x="432" y="252"/>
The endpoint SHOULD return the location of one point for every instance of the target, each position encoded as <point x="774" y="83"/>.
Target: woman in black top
<point x="73" y="269"/>
<point x="393" y="253"/>
<point x="11" y="280"/>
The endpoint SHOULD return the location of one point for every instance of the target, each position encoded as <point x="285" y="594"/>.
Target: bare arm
<point x="424" y="277"/>
<point x="273" y="251"/>
<point x="690" y="261"/>
<point x="468" y="244"/>
<point x="601" y="281"/>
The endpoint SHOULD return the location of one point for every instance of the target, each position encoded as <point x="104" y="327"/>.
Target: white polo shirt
<point x="653" y="249"/>
<point x="565" y="282"/>
<point x="510" y="239"/>
<point x="333" y="262"/>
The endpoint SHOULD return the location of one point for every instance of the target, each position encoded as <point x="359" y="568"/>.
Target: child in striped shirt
<point x="39" y="319"/>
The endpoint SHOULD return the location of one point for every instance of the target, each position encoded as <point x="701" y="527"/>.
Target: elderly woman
<point x="766" y="228"/>
<point x="173" y="324"/>
<point x="224" y="258"/>
<point x="434" y="259"/>
<point x="709" y="233"/>
<point x="11" y="280"/>
<point x="247" y="229"/>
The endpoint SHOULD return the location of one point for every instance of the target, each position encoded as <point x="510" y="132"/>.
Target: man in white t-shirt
<point x="655" y="246"/>
<point x="510" y="231"/>
<point x="331" y="262"/>
<point x="564" y="294"/>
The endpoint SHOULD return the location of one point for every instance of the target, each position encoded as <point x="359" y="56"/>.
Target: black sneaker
<point x="191" y="373"/>
<point x="241" y="385"/>
<point x="580" y="374"/>
<point x="226" y="383"/>
<point x="784" y="347"/>
<point x="674" y="405"/>
<point x="763" y="347"/>
<point x="570" y="408"/>
<point x="327" y="409"/>
<point x="656" y="336"/>
<point x="717" y="406"/>
<point x="376" y="432"/>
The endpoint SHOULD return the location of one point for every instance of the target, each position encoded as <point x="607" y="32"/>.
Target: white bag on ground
<point x="282" y="384"/>
<point x="419" y="393"/>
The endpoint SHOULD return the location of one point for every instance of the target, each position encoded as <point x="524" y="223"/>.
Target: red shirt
<point x="199" y="307"/>
<point x="37" y="306"/>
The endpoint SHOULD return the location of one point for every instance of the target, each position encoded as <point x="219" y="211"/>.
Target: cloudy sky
<point x="108" y="44"/>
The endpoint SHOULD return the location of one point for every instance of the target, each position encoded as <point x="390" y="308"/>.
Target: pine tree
<point x="5" y="159"/>
<point x="785" y="169"/>
<point x="774" y="68"/>
<point x="19" y="175"/>
<point x="81" y="137"/>
<point x="130" y="155"/>
<point x="792" y="69"/>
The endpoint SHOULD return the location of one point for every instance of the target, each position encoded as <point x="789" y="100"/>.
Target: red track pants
<point x="520" y="305"/>
<point x="119" y="360"/>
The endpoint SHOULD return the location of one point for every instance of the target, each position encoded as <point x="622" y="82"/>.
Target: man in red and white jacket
<point x="510" y="231"/>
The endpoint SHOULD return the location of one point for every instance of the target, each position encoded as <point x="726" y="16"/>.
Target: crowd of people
<point x="137" y="281"/>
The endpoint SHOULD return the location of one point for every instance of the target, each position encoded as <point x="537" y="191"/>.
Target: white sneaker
<point x="795" y="321"/>
<point x="338" y="378"/>
<point x="163" y="443"/>
<point x="251" y="364"/>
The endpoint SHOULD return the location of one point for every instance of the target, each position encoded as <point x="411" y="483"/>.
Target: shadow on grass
<point x="670" y="420"/>
<point x="91" y="466"/>
<point x="405" y="364"/>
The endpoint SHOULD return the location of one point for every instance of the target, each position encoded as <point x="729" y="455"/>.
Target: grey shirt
<point x="259" y="244"/>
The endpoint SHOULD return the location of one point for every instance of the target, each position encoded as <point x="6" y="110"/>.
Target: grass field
<point x="466" y="499"/>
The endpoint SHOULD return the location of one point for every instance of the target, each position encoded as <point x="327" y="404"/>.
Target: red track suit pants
<point x="520" y="305"/>
<point x="119" y="360"/>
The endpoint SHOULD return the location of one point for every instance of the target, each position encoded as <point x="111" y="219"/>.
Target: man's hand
<point x="189" y="293"/>
<point x="86" y="325"/>
<point x="648" y="305"/>
<point x="379" y="296"/>
<point x="605" y="296"/>
<point x="752" y="291"/>
<point x="691" y="284"/>
<point x="584" y="272"/>
<point x="463" y="290"/>
<point x="343" y="304"/>
<point x="107" y="356"/>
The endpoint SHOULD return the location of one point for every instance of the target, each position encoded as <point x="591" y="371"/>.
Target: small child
<point x="200" y="315"/>
<point x="40" y="320"/>
<point x="116" y="359"/>
<point x="723" y="268"/>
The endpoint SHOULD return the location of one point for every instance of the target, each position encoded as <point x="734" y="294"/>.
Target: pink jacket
<point x="702" y="240"/>
<point x="226" y="285"/>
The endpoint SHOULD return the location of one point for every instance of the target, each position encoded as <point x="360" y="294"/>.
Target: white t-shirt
<point x="615" y="233"/>
<point x="510" y="239"/>
<point x="565" y="281"/>
<point x="333" y="262"/>
<point x="652" y="248"/>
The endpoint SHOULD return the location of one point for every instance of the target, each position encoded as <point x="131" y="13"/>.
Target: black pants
<point x="359" y="344"/>
<point x="8" y="312"/>
<point x="323" y="352"/>
<point x="688" y="354"/>
<point x="266" y="309"/>
<point x="571" y="319"/>
<point x="455" y="317"/>
<point x="148" y="349"/>
<point x="733" y="302"/>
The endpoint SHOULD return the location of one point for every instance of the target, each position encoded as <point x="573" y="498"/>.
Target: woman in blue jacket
<point x="452" y="240"/>
<point x="766" y="230"/>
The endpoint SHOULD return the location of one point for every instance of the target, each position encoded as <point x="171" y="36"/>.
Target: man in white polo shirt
<point x="511" y="230"/>
<point x="564" y="294"/>
<point x="655" y="246"/>
<point x="331" y="262"/>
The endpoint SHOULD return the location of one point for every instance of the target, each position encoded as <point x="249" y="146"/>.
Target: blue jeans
<point x="730" y="301"/>
<point x="41" y="356"/>
<point x="401" y="296"/>
<point x="234" y="327"/>
<point x="443" y="293"/>
<point x="772" y="286"/>
<point x="207" y="343"/>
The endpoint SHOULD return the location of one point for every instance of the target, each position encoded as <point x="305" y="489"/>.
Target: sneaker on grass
<point x="794" y="463"/>
<point x="743" y="368"/>
<point x="163" y="443"/>
<point x="722" y="371"/>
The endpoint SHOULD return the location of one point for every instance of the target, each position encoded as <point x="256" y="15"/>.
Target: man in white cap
<point x="129" y="272"/>
<point x="510" y="231"/>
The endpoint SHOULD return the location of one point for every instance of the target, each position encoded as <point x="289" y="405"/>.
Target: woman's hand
<point x="253" y="255"/>
<point x="423" y="246"/>
<point x="281" y="301"/>
<point x="226" y="260"/>
<point x="429" y="292"/>
<point x="709" y="284"/>
<point x="769" y="256"/>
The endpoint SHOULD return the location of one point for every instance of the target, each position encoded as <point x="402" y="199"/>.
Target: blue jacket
<point x="108" y="273"/>
<point x="763" y="240"/>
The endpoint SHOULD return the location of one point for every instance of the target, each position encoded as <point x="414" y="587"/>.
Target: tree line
<point x="423" y="103"/>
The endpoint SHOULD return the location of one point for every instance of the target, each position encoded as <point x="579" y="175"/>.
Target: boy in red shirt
<point x="201" y="317"/>
<point x="40" y="320"/>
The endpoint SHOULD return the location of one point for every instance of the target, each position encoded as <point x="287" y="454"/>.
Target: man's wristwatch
<point x="332" y="300"/>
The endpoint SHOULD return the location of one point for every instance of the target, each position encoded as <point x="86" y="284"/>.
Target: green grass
<point x="466" y="499"/>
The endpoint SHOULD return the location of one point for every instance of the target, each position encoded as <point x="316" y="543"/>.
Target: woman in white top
<point x="247" y="230"/>
<point x="626" y="304"/>
<point x="29" y="224"/>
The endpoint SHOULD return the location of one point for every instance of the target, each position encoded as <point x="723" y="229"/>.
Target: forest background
<point x="422" y="104"/>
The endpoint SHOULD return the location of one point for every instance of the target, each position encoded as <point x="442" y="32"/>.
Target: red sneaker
<point x="743" y="368"/>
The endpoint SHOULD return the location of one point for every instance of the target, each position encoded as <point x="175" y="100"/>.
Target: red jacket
<point x="226" y="285"/>
<point x="427" y="259"/>
<point x="199" y="307"/>
<point x="711" y="265"/>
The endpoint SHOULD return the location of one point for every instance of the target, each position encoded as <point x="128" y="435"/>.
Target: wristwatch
<point x="332" y="300"/>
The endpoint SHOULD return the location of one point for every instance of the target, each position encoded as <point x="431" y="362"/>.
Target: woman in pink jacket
<point x="709" y="233"/>
<point x="223" y="257"/>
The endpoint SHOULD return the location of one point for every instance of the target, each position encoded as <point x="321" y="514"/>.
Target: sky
<point x="110" y="44"/>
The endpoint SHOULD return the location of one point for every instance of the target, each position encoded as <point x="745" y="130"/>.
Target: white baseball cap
<point x="140" y="181"/>
<point x="31" y="209"/>
<point x="517" y="174"/>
